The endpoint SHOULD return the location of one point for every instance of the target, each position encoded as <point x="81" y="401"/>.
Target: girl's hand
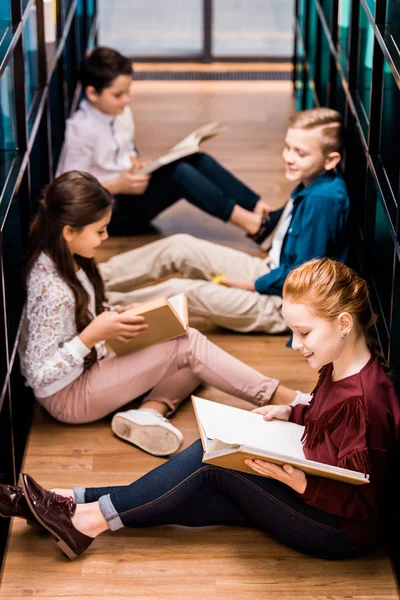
<point x="240" y="285"/>
<point x="277" y="411"/>
<point x="112" y="325"/>
<point x="294" y="478"/>
<point x="122" y="309"/>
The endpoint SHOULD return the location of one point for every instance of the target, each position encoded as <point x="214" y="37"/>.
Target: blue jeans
<point x="198" y="178"/>
<point x="185" y="491"/>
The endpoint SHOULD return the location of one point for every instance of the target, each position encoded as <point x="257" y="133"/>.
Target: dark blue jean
<point x="184" y="491"/>
<point x="198" y="178"/>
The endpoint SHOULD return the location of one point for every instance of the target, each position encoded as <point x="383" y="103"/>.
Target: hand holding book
<point x="112" y="325"/>
<point x="278" y="411"/>
<point x="186" y="147"/>
<point x="165" y="318"/>
<point x="231" y="437"/>
<point x="287" y="474"/>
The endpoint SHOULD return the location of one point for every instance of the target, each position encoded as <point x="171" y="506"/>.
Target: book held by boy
<point x="186" y="147"/>
<point x="167" y="318"/>
<point x="229" y="435"/>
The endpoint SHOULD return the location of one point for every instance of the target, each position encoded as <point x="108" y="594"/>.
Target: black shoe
<point x="267" y="226"/>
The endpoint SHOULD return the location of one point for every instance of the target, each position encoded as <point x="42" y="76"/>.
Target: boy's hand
<point x="129" y="183"/>
<point x="240" y="285"/>
<point x="138" y="164"/>
<point x="294" y="478"/>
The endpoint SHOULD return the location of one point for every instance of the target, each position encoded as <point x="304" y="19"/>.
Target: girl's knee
<point x="195" y="336"/>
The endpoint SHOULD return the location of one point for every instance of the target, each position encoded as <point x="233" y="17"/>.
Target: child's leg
<point x="207" y="194"/>
<point x="231" y="308"/>
<point x="111" y="383"/>
<point x="184" y="491"/>
<point x="133" y="213"/>
<point x="167" y="396"/>
<point x="225" y="180"/>
<point x="183" y="254"/>
<point x="181" y="179"/>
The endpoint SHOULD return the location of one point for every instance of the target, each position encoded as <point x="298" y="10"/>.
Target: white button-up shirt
<point x="98" y="143"/>
<point x="274" y="256"/>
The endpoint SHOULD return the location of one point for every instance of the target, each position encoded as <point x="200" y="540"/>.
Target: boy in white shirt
<point x="99" y="139"/>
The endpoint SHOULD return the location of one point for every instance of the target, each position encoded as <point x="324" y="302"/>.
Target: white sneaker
<point x="151" y="432"/>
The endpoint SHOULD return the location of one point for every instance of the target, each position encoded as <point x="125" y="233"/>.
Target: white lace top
<point x="51" y="353"/>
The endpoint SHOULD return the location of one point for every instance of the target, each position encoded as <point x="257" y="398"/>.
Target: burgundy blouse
<point x="352" y="423"/>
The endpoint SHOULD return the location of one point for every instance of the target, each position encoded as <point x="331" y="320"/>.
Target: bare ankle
<point x="160" y="407"/>
<point x="249" y="221"/>
<point x="89" y="519"/>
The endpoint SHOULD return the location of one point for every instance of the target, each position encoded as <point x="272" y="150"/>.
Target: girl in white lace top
<point x="65" y="326"/>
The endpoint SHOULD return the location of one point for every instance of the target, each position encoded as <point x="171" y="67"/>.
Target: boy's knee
<point x="179" y="242"/>
<point x="182" y="170"/>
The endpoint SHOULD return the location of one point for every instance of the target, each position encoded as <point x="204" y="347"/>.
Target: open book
<point x="189" y="145"/>
<point x="230" y="435"/>
<point x="167" y="318"/>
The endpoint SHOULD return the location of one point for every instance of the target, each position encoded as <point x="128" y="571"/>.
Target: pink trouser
<point x="171" y="371"/>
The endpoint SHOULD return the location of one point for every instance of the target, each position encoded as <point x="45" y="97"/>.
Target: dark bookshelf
<point x="38" y="91"/>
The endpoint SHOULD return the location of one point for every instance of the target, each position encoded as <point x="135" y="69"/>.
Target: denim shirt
<point x="318" y="229"/>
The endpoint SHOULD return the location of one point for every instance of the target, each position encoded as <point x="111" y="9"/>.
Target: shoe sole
<point x="153" y="439"/>
<point x="60" y="542"/>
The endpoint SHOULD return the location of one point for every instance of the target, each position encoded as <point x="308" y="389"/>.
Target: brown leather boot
<point x="54" y="513"/>
<point x="13" y="504"/>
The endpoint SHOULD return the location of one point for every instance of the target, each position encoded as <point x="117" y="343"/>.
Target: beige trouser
<point x="198" y="261"/>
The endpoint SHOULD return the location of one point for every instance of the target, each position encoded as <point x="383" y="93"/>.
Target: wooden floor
<point x="173" y="562"/>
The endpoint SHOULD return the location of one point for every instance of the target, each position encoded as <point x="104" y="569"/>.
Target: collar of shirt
<point x="87" y="107"/>
<point x="300" y="191"/>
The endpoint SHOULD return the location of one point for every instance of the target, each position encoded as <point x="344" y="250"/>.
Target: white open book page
<point x="235" y="426"/>
<point x="178" y="303"/>
<point x="197" y="135"/>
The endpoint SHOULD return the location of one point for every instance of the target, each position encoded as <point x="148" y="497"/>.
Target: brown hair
<point x="328" y="120"/>
<point x="101" y="66"/>
<point x="330" y="288"/>
<point x="76" y="199"/>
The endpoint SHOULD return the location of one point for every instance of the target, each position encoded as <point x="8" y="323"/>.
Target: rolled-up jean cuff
<point x="109" y="513"/>
<point x="79" y="495"/>
<point x="227" y="210"/>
